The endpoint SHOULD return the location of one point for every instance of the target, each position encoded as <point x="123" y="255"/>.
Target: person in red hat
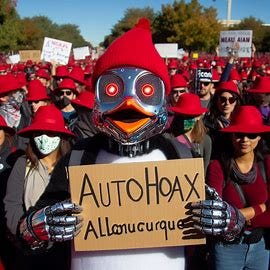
<point x="225" y="100"/>
<point x="188" y="127"/>
<point x="37" y="95"/>
<point x="49" y="140"/>
<point x="59" y="73"/>
<point x="131" y="82"/>
<point x="44" y="76"/>
<point x="63" y="95"/>
<point x="13" y="107"/>
<point x="7" y="152"/>
<point x="238" y="179"/>
<point x="77" y="75"/>
<point x="173" y="67"/>
<point x="259" y="96"/>
<point x="179" y="86"/>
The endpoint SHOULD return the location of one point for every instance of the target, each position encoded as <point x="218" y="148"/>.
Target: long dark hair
<point x="227" y="155"/>
<point x="214" y="111"/>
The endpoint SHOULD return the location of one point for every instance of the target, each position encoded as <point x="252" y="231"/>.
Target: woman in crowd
<point x="48" y="141"/>
<point x="188" y="128"/>
<point x="37" y="95"/>
<point x="238" y="179"/>
<point x="225" y="100"/>
<point x="6" y="148"/>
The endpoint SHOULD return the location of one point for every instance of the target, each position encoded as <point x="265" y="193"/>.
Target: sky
<point x="95" y="19"/>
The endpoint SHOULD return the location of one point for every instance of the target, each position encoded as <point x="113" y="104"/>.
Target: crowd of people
<point x="46" y="110"/>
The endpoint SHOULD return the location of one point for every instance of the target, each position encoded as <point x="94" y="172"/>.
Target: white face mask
<point x="46" y="144"/>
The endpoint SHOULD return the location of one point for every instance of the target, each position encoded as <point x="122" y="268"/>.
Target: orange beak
<point x="129" y="116"/>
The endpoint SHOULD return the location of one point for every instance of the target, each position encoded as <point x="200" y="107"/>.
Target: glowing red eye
<point x="148" y="90"/>
<point x="112" y="89"/>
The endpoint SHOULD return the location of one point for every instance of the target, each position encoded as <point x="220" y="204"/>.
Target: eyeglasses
<point x="65" y="92"/>
<point x="251" y="136"/>
<point x="224" y="99"/>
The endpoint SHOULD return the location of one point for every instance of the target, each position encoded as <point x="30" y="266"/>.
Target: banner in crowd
<point x="136" y="205"/>
<point x="81" y="52"/>
<point x="238" y="42"/>
<point x="167" y="50"/>
<point x="33" y="55"/>
<point x="55" y="50"/>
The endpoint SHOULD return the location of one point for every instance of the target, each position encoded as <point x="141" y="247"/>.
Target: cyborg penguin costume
<point x="131" y="81"/>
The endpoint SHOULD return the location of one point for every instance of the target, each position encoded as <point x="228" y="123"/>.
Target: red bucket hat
<point x="228" y="86"/>
<point x="85" y="99"/>
<point x="9" y="83"/>
<point x="178" y="80"/>
<point x="67" y="84"/>
<point x="134" y="49"/>
<point x="43" y="73"/>
<point x="261" y="85"/>
<point x="77" y="74"/>
<point x="188" y="104"/>
<point x="5" y="127"/>
<point x="36" y="91"/>
<point x="247" y="119"/>
<point x="47" y="119"/>
<point x="61" y="72"/>
<point x="173" y="64"/>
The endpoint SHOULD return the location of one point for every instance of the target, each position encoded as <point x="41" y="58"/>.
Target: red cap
<point x="228" y="86"/>
<point x="134" y="49"/>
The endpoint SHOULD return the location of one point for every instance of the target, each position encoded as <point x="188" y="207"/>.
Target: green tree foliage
<point x="38" y="27"/>
<point x="190" y="25"/>
<point x="260" y="32"/>
<point x="10" y="34"/>
<point x="130" y="18"/>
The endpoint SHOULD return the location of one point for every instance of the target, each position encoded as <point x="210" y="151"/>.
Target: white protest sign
<point x="167" y="50"/>
<point x="239" y="42"/>
<point x="14" y="59"/>
<point x="56" y="50"/>
<point x="81" y="52"/>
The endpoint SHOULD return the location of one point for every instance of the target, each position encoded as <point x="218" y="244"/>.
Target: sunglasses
<point x="251" y="136"/>
<point x="205" y="83"/>
<point x="224" y="99"/>
<point x="65" y="92"/>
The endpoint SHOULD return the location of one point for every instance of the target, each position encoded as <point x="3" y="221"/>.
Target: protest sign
<point x="136" y="205"/>
<point x="237" y="42"/>
<point x="55" y="50"/>
<point x="167" y="50"/>
<point x="81" y="52"/>
<point x="33" y="55"/>
<point x="14" y="59"/>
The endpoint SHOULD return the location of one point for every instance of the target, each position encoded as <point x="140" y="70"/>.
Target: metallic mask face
<point x="130" y="104"/>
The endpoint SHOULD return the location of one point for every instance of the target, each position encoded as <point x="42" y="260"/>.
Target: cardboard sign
<point x="167" y="50"/>
<point x="237" y="42"/>
<point x="81" y="52"/>
<point x="33" y="55"/>
<point x="136" y="205"/>
<point x="55" y="50"/>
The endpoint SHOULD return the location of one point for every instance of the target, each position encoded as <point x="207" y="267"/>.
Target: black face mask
<point x="61" y="103"/>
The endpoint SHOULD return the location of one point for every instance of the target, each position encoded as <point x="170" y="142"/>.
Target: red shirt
<point x="255" y="193"/>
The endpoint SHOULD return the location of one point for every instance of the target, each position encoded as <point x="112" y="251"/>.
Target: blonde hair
<point x="198" y="131"/>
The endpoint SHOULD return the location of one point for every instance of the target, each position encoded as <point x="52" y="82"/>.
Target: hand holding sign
<point x="52" y="223"/>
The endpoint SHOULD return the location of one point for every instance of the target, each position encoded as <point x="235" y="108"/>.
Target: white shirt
<point x="171" y="258"/>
